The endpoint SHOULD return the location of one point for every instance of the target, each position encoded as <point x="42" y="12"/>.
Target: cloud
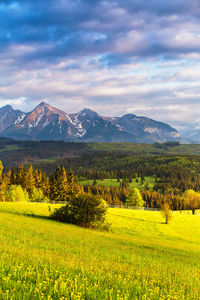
<point x="115" y="28"/>
<point x="131" y="56"/>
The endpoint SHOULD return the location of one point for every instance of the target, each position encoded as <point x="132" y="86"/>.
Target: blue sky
<point x="115" y="57"/>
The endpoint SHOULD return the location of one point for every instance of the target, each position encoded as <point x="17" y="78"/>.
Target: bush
<point x="38" y="196"/>
<point x="84" y="210"/>
<point x="16" y="193"/>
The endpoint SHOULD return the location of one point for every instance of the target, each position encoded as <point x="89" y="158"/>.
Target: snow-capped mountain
<point x="49" y="123"/>
<point x="145" y="129"/>
<point x="9" y="116"/>
<point x="43" y="123"/>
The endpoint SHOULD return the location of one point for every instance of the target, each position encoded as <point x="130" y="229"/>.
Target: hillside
<point x="46" y="123"/>
<point x="13" y="152"/>
<point x="49" y="154"/>
<point x="141" y="258"/>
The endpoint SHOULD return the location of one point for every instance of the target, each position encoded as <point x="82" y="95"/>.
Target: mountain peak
<point x="6" y="108"/>
<point x="90" y="113"/>
<point x="46" y="122"/>
<point x="45" y="107"/>
<point x="43" y="104"/>
<point x="86" y="109"/>
<point x="129" y="116"/>
<point x="9" y="117"/>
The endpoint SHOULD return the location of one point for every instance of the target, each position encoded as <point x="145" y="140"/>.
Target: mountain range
<point x="49" y="123"/>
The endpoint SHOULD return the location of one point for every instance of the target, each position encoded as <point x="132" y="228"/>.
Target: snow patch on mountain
<point x="150" y="130"/>
<point x="49" y="123"/>
<point x="81" y="131"/>
<point x="19" y="119"/>
<point x="45" y="124"/>
<point x="4" y="117"/>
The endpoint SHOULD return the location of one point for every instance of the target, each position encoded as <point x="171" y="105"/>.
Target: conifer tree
<point x="71" y="184"/>
<point x="135" y="198"/>
<point x="52" y="182"/>
<point x="46" y="185"/>
<point x="38" y="178"/>
<point x="55" y="183"/>
<point x="59" y="185"/>
<point x="1" y="169"/>
<point x="13" y="177"/>
<point x="20" y="176"/>
<point x="2" y="187"/>
<point x="29" y="179"/>
<point x="6" y="179"/>
<point x="64" y="186"/>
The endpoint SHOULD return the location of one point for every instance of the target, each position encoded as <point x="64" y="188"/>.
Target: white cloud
<point x="117" y="57"/>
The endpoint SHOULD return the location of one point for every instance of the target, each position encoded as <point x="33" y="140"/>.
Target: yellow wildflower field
<point x="140" y="258"/>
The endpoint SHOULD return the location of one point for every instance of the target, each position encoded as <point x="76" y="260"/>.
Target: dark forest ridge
<point x="13" y="152"/>
<point x="49" y="123"/>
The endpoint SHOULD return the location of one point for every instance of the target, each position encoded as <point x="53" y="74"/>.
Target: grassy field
<point x="140" y="258"/>
<point x="9" y="148"/>
<point x="113" y="182"/>
<point x="182" y="149"/>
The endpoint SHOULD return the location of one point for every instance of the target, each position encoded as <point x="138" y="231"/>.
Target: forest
<point x="56" y="170"/>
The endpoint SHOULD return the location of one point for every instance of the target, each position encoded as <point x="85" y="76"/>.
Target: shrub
<point x="16" y="193"/>
<point x="38" y="196"/>
<point x="84" y="210"/>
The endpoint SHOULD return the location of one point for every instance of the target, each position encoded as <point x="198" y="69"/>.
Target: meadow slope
<point x="141" y="258"/>
<point x="114" y="182"/>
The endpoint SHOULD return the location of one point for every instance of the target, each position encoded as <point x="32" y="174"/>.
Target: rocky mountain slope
<point x="48" y="123"/>
<point x="9" y="117"/>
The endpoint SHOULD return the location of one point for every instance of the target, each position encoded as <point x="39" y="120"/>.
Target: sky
<point x="115" y="57"/>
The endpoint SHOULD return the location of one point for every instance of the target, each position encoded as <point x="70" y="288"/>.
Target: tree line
<point x="29" y="184"/>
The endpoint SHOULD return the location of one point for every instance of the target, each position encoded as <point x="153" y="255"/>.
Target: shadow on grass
<point x="148" y="221"/>
<point x="26" y="215"/>
<point x="36" y="216"/>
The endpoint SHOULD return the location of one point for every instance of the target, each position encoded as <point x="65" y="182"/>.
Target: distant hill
<point x="49" y="123"/>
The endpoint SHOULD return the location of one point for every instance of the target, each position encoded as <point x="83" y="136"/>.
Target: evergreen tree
<point x="64" y="187"/>
<point x="13" y="177"/>
<point x="135" y="198"/>
<point x="55" y="185"/>
<point x="60" y="185"/>
<point x="46" y="185"/>
<point x="29" y="179"/>
<point x="72" y="186"/>
<point x="1" y="169"/>
<point x="38" y="178"/>
<point x="3" y="184"/>
<point x="20" y="180"/>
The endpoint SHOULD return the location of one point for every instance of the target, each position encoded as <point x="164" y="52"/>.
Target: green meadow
<point x="140" y="258"/>
<point x="113" y="182"/>
<point x="9" y="148"/>
<point x="182" y="149"/>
